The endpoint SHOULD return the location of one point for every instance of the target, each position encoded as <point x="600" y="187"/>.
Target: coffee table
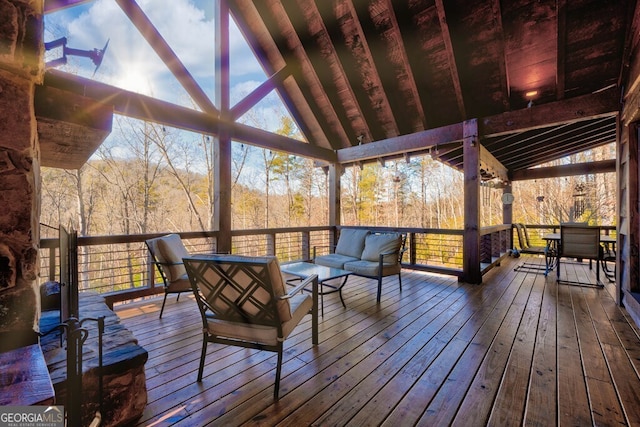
<point x="302" y="270"/>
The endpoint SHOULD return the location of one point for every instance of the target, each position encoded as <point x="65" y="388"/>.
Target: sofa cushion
<point x="351" y="242"/>
<point x="376" y="244"/>
<point x="334" y="260"/>
<point x="171" y="252"/>
<point x="370" y="268"/>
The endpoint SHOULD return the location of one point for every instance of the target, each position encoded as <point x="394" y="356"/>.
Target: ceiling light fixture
<point x="530" y="94"/>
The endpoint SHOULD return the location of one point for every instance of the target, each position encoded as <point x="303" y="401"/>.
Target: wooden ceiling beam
<point x="602" y="166"/>
<point x="145" y="108"/>
<point x="168" y="56"/>
<point x="398" y="146"/>
<point x="259" y="93"/>
<point x="455" y="76"/>
<point x="601" y="104"/>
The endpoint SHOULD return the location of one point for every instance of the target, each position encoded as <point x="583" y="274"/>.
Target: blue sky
<point x="130" y="63"/>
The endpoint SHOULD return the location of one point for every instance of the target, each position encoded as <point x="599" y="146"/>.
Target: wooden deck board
<point x="518" y="349"/>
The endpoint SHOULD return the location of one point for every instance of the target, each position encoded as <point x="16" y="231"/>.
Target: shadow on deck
<point x="517" y="349"/>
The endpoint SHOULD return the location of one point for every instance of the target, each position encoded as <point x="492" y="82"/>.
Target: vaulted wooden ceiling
<point x="366" y="71"/>
<point x="381" y="78"/>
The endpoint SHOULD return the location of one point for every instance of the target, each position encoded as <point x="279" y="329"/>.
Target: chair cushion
<point x="181" y="285"/>
<point x="375" y="244"/>
<point x="370" y="268"/>
<point x="334" y="260"/>
<point x="300" y="305"/>
<point x="172" y="251"/>
<point x="351" y="242"/>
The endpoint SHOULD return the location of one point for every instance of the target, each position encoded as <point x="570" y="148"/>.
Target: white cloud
<point x="131" y="63"/>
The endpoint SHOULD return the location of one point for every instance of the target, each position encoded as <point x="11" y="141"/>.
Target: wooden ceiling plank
<point x="337" y="46"/>
<point x="455" y="77"/>
<point x="491" y="165"/>
<point x="571" y="110"/>
<point x="145" y="108"/>
<point x="168" y="56"/>
<point x="375" y="35"/>
<point x="325" y="29"/>
<point x="321" y="62"/>
<point x="416" y="112"/>
<point x="303" y="73"/>
<point x="502" y="64"/>
<point x="397" y="146"/>
<point x="601" y="166"/>
<point x="561" y="43"/>
<point x="505" y="146"/>
<point x="541" y="155"/>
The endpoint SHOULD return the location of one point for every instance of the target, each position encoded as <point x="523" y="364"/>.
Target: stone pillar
<point x="21" y="54"/>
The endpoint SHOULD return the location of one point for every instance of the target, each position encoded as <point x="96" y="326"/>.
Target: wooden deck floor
<point x="518" y="349"/>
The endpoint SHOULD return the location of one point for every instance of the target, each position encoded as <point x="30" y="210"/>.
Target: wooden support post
<point x="471" y="271"/>
<point x="222" y="157"/>
<point x="507" y="214"/>
<point x="335" y="172"/>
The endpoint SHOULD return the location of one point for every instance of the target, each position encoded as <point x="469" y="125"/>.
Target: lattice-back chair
<point x="581" y="242"/>
<point x="167" y="253"/>
<point x="244" y="302"/>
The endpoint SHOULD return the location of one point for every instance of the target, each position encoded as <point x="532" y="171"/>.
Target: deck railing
<point x="119" y="266"/>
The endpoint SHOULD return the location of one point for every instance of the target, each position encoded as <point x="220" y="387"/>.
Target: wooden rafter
<point x="337" y="43"/>
<point x="168" y="56"/>
<point x="602" y="166"/>
<point x="455" y="77"/>
<point x="274" y="16"/>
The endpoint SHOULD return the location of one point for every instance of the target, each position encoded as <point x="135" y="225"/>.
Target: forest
<point x="147" y="178"/>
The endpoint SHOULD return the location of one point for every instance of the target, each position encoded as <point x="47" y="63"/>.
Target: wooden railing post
<point x="305" y="245"/>
<point x="271" y="244"/>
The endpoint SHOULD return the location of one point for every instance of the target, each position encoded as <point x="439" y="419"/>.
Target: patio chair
<point x="167" y="253"/>
<point x="581" y="242"/>
<point x="243" y="302"/>
<point x="525" y="243"/>
<point x="526" y="248"/>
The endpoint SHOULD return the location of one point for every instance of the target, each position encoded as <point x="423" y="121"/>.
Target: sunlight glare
<point x="134" y="78"/>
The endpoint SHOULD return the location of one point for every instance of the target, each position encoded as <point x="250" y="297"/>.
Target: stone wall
<point x="21" y="52"/>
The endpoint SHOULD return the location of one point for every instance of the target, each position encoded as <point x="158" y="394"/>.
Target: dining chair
<point x="581" y="242"/>
<point x="167" y="253"/>
<point x="244" y="302"/>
